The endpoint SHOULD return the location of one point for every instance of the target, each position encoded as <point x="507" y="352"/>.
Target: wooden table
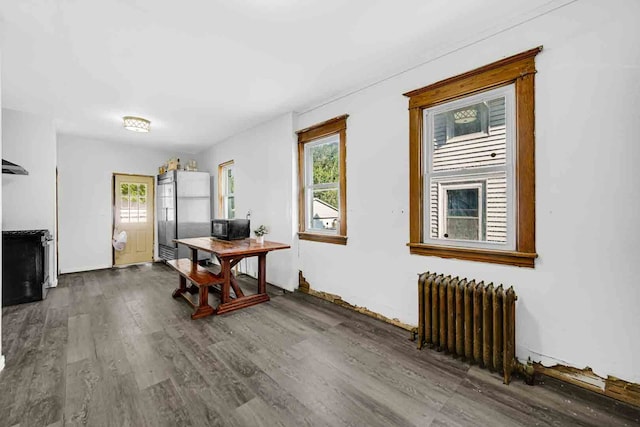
<point x="228" y="253"/>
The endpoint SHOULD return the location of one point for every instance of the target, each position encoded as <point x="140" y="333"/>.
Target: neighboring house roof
<point x="323" y="209"/>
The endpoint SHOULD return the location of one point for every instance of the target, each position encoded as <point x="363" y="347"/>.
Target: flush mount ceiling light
<point x="136" y="124"/>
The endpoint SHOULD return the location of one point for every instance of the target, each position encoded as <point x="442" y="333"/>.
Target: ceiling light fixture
<point x="136" y="124"/>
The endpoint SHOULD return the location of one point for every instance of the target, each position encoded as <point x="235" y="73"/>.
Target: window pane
<point x="324" y="210"/>
<point x="496" y="209"/>
<point x="230" y="181"/>
<point x="471" y="136"/>
<point x="124" y="208"/>
<point x="133" y="209"/>
<point x="325" y="164"/>
<point x="142" y="208"/>
<point x="231" y="207"/>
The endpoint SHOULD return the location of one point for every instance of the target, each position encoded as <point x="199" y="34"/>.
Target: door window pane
<point x="142" y="209"/>
<point x="124" y="209"/>
<point x="133" y="202"/>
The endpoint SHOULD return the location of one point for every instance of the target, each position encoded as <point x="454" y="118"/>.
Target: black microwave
<point x="230" y="229"/>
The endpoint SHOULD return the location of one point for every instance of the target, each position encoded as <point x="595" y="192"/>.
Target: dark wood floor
<point x="112" y="348"/>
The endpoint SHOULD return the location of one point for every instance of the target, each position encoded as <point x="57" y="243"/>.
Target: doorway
<point x="133" y="213"/>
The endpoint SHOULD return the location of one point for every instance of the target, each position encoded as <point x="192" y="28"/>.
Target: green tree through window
<point x="326" y="169"/>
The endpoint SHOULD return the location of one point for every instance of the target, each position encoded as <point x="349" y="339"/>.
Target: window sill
<point x="326" y="238"/>
<point x="519" y="259"/>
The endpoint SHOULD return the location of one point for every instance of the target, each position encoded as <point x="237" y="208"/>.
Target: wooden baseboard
<point x="613" y="387"/>
<point x="305" y="287"/>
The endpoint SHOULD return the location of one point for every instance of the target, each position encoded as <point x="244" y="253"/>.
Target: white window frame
<point x="470" y="174"/>
<point x="309" y="186"/>
<point x="226" y="194"/>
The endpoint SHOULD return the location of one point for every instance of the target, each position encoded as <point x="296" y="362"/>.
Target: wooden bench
<point x="199" y="276"/>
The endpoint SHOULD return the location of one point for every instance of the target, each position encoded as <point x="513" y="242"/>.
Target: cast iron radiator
<point x="468" y="320"/>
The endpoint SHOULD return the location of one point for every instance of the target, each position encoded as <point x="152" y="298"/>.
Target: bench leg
<point x="181" y="289"/>
<point x="203" y="309"/>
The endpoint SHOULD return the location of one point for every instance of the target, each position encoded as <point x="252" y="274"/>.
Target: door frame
<point x="57" y="236"/>
<point x="113" y="213"/>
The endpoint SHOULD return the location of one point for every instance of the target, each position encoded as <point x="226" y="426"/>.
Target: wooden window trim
<point x="221" y="167"/>
<point x="519" y="70"/>
<point x="336" y="125"/>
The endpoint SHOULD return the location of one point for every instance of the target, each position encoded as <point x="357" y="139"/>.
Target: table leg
<point x="227" y="305"/>
<point x="262" y="273"/>
<point x="203" y="309"/>
<point x="225" y="270"/>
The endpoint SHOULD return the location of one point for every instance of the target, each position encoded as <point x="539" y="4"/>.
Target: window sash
<point x="309" y="186"/>
<point x="225" y="190"/>
<point x="226" y="184"/>
<point x="452" y="176"/>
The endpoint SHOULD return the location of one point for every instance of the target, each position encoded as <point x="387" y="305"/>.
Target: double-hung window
<point x="226" y="189"/>
<point x="471" y="164"/>
<point x="322" y="182"/>
<point x="468" y="148"/>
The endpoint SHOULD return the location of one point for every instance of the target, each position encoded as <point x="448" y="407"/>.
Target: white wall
<point x="579" y="306"/>
<point x="29" y="201"/>
<point x="85" y="169"/>
<point x="264" y="180"/>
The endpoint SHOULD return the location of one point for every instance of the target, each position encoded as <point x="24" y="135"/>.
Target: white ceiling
<point x="202" y="70"/>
